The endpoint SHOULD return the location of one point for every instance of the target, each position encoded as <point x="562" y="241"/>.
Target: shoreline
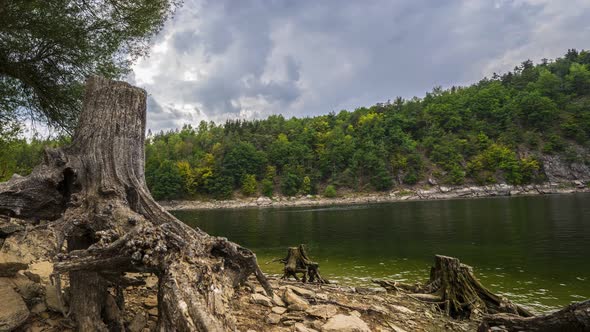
<point x="401" y="195"/>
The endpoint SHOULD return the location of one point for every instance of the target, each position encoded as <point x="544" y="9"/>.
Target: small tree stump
<point x="455" y="289"/>
<point x="297" y="261"/>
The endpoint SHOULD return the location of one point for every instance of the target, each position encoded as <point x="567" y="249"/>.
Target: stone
<point x="111" y="309"/>
<point x="355" y="313"/>
<point x="291" y="298"/>
<point x="13" y="310"/>
<point x="151" y="301"/>
<point x="323" y="311"/>
<point x="299" y="327"/>
<point x="395" y="328"/>
<point x="29" y="290"/>
<point x="263" y="200"/>
<point x="273" y="318"/>
<point x="289" y="322"/>
<point x="322" y="296"/>
<point x="38" y="308"/>
<point x="138" y="322"/>
<point x="52" y="301"/>
<point x="298" y="307"/>
<point x="33" y="277"/>
<point x="278" y="310"/>
<point x="302" y="291"/>
<point x="344" y="323"/>
<point x="277" y="300"/>
<point x="261" y="299"/>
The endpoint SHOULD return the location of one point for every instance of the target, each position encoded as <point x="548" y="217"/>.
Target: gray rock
<point x="278" y="310"/>
<point x="273" y="318"/>
<point x="302" y="291"/>
<point x="344" y="323"/>
<point x="291" y="298"/>
<point x="13" y="310"/>
<point x="324" y="311"/>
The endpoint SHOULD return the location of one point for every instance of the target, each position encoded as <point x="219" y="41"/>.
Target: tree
<point x="48" y="48"/>
<point x="96" y="193"/>
<point x="249" y="185"/>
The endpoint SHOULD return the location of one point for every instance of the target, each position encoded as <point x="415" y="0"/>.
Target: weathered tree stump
<point x="455" y="289"/>
<point x="297" y="261"/>
<point x="575" y="317"/>
<point x="95" y="192"/>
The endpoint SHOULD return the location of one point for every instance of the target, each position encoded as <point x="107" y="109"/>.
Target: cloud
<point x="247" y="59"/>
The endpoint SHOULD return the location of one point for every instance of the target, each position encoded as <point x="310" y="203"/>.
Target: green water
<point x="535" y="250"/>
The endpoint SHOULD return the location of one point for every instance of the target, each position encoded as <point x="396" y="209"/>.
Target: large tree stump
<point x="95" y="192"/>
<point x="575" y="317"/>
<point x="454" y="288"/>
<point x="297" y="261"/>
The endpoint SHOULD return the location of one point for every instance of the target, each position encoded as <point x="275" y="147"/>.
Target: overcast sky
<point x="225" y="59"/>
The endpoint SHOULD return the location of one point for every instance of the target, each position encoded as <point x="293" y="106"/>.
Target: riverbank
<point x="407" y="194"/>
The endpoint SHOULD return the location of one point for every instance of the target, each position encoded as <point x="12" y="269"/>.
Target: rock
<point x="52" y="301"/>
<point x="297" y="307"/>
<point x="323" y="311"/>
<point x="355" y="313"/>
<point x="30" y="291"/>
<point x="322" y="296"/>
<point x="291" y="298"/>
<point x="402" y="309"/>
<point x="9" y="269"/>
<point x="344" y="323"/>
<point x="153" y="312"/>
<point x="370" y="290"/>
<point x="432" y="182"/>
<point x="263" y="200"/>
<point x="273" y="318"/>
<point x="396" y="328"/>
<point x="261" y="299"/>
<point x="151" y="301"/>
<point x="138" y="322"/>
<point x="289" y="322"/>
<point x="7" y="228"/>
<point x="13" y="310"/>
<point x="111" y="309"/>
<point x="277" y="300"/>
<point x="299" y="327"/>
<point x="302" y="291"/>
<point x="278" y="310"/>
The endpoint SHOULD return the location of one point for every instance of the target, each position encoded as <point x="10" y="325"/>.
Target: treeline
<point x="493" y="131"/>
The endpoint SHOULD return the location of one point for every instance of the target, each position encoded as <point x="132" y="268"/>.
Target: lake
<point x="533" y="249"/>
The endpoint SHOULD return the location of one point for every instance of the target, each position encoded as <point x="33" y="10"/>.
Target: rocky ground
<point x="29" y="301"/>
<point x="430" y="192"/>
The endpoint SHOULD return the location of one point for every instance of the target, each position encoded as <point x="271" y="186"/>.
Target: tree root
<point x="297" y="261"/>
<point x="453" y="287"/>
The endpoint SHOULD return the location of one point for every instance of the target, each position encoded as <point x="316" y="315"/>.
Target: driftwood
<point x="297" y="261"/>
<point x="95" y="192"/>
<point x="454" y="288"/>
<point x="575" y="317"/>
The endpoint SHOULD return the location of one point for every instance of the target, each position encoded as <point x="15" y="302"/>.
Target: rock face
<point x="344" y="323"/>
<point x="13" y="310"/>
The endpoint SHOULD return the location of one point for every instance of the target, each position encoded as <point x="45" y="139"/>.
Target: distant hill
<point x="530" y="125"/>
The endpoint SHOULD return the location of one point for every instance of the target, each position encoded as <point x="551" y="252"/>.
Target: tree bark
<point x="95" y="190"/>
<point x="575" y="317"/>
<point x="456" y="290"/>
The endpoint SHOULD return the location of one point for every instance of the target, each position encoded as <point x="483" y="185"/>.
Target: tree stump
<point x="95" y="193"/>
<point x="575" y="317"/>
<point x="297" y="261"/>
<point x="454" y="288"/>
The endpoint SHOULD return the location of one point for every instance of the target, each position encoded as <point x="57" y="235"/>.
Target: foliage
<point x="330" y="191"/>
<point x="48" y="48"/>
<point x="494" y="131"/>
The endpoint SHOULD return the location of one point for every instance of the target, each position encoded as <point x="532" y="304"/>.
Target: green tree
<point x="330" y="191"/>
<point x="249" y="185"/>
<point x="48" y="48"/>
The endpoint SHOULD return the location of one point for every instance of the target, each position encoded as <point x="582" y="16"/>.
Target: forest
<point x="493" y="131"/>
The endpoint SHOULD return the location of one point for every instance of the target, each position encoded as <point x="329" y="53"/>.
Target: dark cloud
<point x="252" y="58"/>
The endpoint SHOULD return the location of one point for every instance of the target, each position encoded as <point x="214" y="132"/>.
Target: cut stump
<point x="455" y="289"/>
<point x="297" y="261"/>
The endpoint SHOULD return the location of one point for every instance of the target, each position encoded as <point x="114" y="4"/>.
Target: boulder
<point x="344" y="323"/>
<point x="278" y="310"/>
<point x="13" y="310"/>
<point x="273" y="318"/>
<point x="261" y="299"/>
<point x="277" y="300"/>
<point x="52" y="301"/>
<point x="323" y="311"/>
<point x="302" y="291"/>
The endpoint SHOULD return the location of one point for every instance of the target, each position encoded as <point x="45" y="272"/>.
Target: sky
<point x="247" y="59"/>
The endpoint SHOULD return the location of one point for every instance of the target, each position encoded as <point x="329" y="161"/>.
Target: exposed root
<point x="297" y="261"/>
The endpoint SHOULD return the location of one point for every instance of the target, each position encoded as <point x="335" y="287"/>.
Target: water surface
<point x="535" y="249"/>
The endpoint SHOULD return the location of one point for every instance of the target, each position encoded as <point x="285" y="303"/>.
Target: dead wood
<point x="111" y="224"/>
<point x="297" y="261"/>
<point x="454" y="288"/>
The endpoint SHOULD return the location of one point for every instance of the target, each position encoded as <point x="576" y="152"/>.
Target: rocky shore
<point x="29" y="301"/>
<point x="433" y="192"/>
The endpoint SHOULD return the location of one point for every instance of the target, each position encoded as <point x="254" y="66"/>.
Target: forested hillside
<point x="502" y="129"/>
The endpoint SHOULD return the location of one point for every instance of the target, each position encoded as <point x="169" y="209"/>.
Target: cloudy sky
<point x="223" y="59"/>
